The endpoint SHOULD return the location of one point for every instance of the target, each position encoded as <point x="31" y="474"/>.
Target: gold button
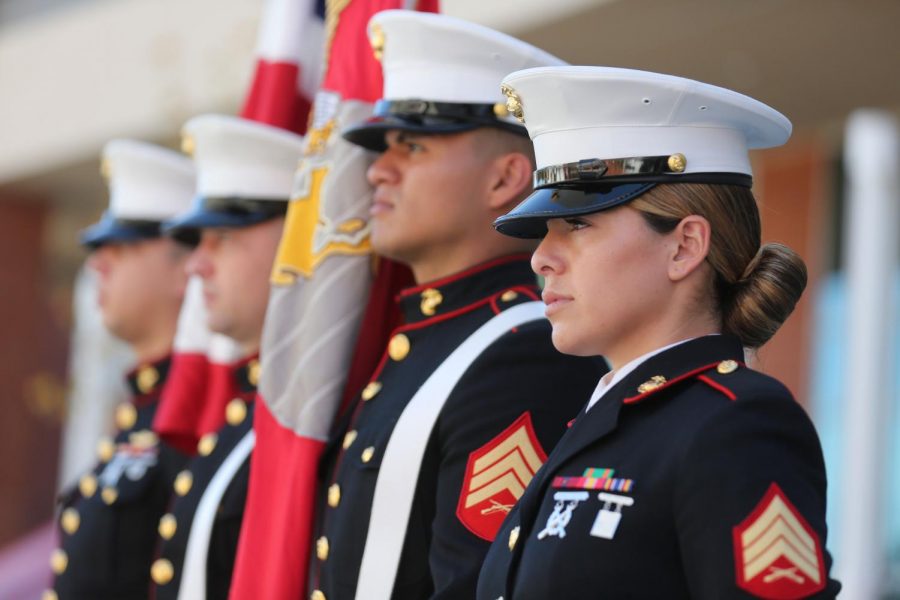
<point x="509" y="296"/>
<point x="371" y="390"/>
<point x="143" y="439"/>
<point x="162" y="571"/>
<point x="126" y="415"/>
<point x="431" y="299"/>
<point x="334" y="495"/>
<point x="87" y="485"/>
<point x="59" y="560"/>
<point x="368" y="453"/>
<point x="207" y="444"/>
<point x="109" y="495"/>
<point x="677" y="163"/>
<point x="322" y="548"/>
<point x="317" y="595"/>
<point x="49" y="595"/>
<point x="236" y="412"/>
<point x="167" y="526"/>
<point x="183" y="483"/>
<point x="253" y="372"/>
<point x="513" y="537"/>
<point x="651" y="384"/>
<point x="70" y="520"/>
<point x="727" y="366"/>
<point x="106" y="449"/>
<point x="147" y="378"/>
<point x="349" y="438"/>
<point x="398" y="347"/>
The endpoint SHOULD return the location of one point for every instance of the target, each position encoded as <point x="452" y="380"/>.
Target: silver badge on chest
<point x="566" y="502"/>
<point x="610" y="514"/>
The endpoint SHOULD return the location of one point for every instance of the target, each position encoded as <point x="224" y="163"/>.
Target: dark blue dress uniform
<point x="510" y="390"/>
<point x="692" y="477"/>
<point x="175" y="527"/>
<point x="108" y="521"/>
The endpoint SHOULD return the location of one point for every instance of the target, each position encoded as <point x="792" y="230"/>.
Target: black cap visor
<point x="231" y="212"/>
<point x="529" y="218"/>
<point x="110" y="230"/>
<point x="422" y="116"/>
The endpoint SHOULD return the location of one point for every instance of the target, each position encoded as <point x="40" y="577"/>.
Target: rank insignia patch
<point x="777" y="554"/>
<point x="496" y="476"/>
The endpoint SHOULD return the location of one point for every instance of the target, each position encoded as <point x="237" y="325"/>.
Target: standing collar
<point x="442" y="298"/>
<point x="147" y="379"/>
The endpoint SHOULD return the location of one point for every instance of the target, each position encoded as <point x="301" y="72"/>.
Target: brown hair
<point x="756" y="288"/>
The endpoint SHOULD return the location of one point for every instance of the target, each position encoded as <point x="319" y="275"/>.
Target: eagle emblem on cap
<point x="513" y="103"/>
<point x="376" y="40"/>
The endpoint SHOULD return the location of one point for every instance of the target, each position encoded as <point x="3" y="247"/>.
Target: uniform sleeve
<point x="750" y="503"/>
<point x="503" y="418"/>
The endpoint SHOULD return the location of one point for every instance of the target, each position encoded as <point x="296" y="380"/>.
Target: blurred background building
<point x="75" y="73"/>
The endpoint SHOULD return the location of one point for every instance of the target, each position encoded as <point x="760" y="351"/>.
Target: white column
<point x="872" y="151"/>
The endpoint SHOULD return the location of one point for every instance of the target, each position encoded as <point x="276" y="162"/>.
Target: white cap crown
<point x="146" y="182"/>
<point x="443" y="59"/>
<point x="240" y="158"/>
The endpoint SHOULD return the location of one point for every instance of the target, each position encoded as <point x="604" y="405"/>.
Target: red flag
<point x="320" y="286"/>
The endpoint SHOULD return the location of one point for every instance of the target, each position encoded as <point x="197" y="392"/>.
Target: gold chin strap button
<point x="207" y="444"/>
<point x="126" y="415"/>
<point x="727" y="366"/>
<point x="431" y="299"/>
<point x="513" y="537"/>
<point x="183" y="483"/>
<point x="651" y="384"/>
<point x="70" y="520"/>
<point x="677" y="163"/>
<point x="167" y="526"/>
<point x="59" y="560"/>
<point x="349" y="438"/>
<point x="147" y="378"/>
<point x="87" y="485"/>
<point x="322" y="548"/>
<point x="371" y="390"/>
<point x="106" y="449"/>
<point x="398" y="347"/>
<point x="236" y="412"/>
<point x="334" y="495"/>
<point x="162" y="571"/>
<point x="254" y="370"/>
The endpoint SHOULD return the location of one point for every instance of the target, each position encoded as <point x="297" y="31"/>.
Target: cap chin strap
<point x="635" y="169"/>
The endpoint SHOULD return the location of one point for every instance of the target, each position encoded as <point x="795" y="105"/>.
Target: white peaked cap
<point x="239" y="158"/>
<point x="146" y="182"/>
<point x="577" y="113"/>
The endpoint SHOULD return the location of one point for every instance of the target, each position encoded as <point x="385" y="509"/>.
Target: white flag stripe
<point x="779" y="529"/>
<point x="776" y="551"/>
<point x="191" y="334"/>
<point x="777" y="508"/>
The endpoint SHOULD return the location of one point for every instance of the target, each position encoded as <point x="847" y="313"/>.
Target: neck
<point x="676" y="331"/>
<point x="152" y="349"/>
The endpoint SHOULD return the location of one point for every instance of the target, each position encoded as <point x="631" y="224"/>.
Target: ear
<point x="510" y="178"/>
<point x="691" y="238"/>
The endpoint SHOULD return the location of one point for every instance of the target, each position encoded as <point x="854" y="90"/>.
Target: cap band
<point x="428" y="113"/>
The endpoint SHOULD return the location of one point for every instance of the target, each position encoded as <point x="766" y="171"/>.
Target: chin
<point x="568" y="342"/>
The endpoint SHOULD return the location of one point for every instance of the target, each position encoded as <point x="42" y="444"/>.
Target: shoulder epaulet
<point x="721" y="377"/>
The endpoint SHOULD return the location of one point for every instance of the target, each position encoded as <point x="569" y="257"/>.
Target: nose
<point x="98" y="260"/>
<point x="546" y="259"/>
<point x="382" y="170"/>
<point x="199" y="262"/>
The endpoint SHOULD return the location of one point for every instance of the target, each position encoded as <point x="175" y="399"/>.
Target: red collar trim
<point x="462" y="274"/>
